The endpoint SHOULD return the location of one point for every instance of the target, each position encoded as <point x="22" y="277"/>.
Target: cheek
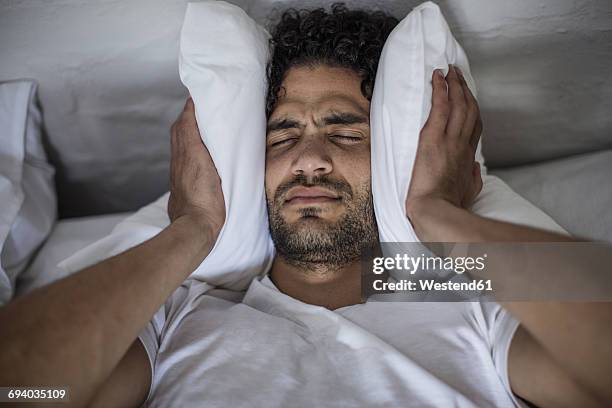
<point x="354" y="166"/>
<point x="270" y="185"/>
<point x="274" y="176"/>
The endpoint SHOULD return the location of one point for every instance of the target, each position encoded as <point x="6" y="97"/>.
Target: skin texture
<point x="561" y="355"/>
<point x="320" y="240"/>
<point x="49" y="336"/>
<point x="195" y="186"/>
<point x="445" y="166"/>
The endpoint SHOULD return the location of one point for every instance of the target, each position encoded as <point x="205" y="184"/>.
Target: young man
<point x="290" y="339"/>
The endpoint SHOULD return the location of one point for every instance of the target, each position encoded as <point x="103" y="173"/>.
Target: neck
<point x="319" y="284"/>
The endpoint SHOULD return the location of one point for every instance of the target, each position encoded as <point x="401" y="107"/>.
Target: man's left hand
<point x="445" y="166"/>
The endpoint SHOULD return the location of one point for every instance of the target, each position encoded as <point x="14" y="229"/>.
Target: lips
<point x="309" y="195"/>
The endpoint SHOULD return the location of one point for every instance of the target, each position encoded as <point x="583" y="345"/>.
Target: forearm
<point x="74" y="332"/>
<point x="577" y="335"/>
<point x="440" y="221"/>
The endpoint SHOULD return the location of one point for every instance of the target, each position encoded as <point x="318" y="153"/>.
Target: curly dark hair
<point x="341" y="38"/>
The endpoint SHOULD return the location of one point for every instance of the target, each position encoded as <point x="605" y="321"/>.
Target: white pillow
<point x="27" y="190"/>
<point x="401" y="103"/>
<point x="223" y="58"/>
<point x="223" y="55"/>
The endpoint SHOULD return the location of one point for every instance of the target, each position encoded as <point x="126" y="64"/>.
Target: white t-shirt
<point x="218" y="348"/>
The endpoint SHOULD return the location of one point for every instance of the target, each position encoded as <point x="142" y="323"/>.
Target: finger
<point x="475" y="138"/>
<point x="187" y="126"/>
<point x="173" y="151"/>
<point x="188" y="113"/>
<point x="438" y="116"/>
<point x="189" y="105"/>
<point x="474" y="188"/>
<point x="476" y="173"/>
<point x="458" y="105"/>
<point x="472" y="114"/>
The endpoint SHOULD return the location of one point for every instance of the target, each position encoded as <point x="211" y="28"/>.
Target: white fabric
<point x="222" y="63"/>
<point x="401" y="103"/>
<point x="270" y="350"/>
<point x="229" y="90"/>
<point x="67" y="237"/>
<point x="223" y="55"/>
<point x="27" y="193"/>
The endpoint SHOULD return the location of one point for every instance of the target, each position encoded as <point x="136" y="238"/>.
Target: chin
<point x="310" y="222"/>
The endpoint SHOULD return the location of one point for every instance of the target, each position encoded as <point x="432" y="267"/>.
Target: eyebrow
<point x="344" y="118"/>
<point x="334" y="118"/>
<point x="284" y="123"/>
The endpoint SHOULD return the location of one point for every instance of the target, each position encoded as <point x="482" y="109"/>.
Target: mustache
<point x="342" y="188"/>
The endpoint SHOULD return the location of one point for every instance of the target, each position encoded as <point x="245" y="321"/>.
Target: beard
<point x="312" y="241"/>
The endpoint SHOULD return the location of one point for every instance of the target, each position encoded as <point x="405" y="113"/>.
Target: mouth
<point x="310" y="196"/>
<point x="311" y="200"/>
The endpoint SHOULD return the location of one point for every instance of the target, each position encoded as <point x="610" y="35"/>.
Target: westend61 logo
<point x="413" y="264"/>
<point x="485" y="271"/>
<point x="428" y="274"/>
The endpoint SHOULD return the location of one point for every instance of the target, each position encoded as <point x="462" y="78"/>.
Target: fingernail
<point x="439" y="73"/>
<point x="459" y="71"/>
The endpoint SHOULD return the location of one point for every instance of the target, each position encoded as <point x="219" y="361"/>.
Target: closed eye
<point x="347" y="138"/>
<point x="283" y="141"/>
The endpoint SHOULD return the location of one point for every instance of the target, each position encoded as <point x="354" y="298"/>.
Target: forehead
<point x="321" y="88"/>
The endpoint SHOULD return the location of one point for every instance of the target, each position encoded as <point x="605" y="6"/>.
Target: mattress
<point x="576" y="192"/>
<point x="67" y="237"/>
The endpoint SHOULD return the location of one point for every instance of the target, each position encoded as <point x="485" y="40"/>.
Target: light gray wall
<point x="109" y="82"/>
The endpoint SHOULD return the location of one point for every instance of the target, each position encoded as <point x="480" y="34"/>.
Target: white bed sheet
<point x="67" y="237"/>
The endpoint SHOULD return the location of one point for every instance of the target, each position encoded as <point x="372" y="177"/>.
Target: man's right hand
<point x="48" y="336"/>
<point x="195" y="186"/>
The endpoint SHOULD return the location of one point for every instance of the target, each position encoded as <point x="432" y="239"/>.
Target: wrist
<point x="413" y="207"/>
<point x="425" y="214"/>
<point x="420" y="207"/>
<point x="198" y="231"/>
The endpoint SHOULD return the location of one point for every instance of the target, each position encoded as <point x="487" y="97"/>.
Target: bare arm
<point x="76" y="332"/>
<point x="562" y="353"/>
<point x="573" y="340"/>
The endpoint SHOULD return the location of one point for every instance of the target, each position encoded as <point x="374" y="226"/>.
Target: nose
<point x="312" y="160"/>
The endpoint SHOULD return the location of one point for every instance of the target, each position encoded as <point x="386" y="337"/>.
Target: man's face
<point x="318" y="167"/>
